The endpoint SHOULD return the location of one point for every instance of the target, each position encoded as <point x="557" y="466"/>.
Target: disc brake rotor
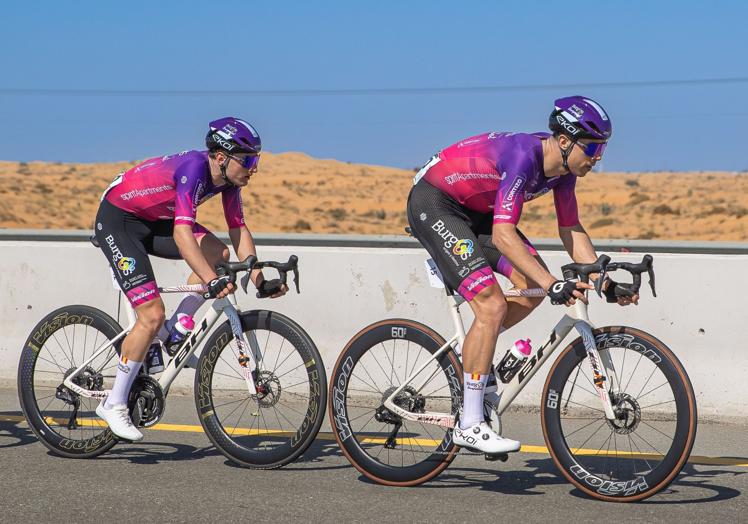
<point x="268" y="389"/>
<point x="628" y="414"/>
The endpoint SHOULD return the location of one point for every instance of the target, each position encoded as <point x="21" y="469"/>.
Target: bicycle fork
<point x="601" y="367"/>
<point x="248" y="347"/>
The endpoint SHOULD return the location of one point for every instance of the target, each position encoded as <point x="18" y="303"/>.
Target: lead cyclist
<point x="465" y="207"/>
<point x="151" y="209"/>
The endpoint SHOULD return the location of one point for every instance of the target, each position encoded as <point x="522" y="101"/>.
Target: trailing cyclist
<point x="151" y="209"/>
<point x="465" y="207"/>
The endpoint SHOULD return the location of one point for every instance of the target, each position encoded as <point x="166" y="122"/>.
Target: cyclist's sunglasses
<point x="593" y="149"/>
<point x="248" y="161"/>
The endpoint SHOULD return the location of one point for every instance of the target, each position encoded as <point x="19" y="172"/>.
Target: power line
<point x="11" y="91"/>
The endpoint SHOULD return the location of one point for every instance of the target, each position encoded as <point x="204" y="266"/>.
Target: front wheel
<point x="273" y="427"/>
<point x="645" y="447"/>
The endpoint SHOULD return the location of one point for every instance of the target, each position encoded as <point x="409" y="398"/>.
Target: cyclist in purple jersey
<point x="464" y="208"/>
<point x="171" y="188"/>
<point x="151" y="210"/>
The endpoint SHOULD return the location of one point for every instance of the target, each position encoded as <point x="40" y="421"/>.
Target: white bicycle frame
<point x="575" y="318"/>
<point x="226" y="305"/>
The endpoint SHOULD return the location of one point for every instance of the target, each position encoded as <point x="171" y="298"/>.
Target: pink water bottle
<point x="181" y="330"/>
<point x="513" y="360"/>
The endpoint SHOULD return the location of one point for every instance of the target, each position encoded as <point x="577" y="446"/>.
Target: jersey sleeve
<point x="515" y="168"/>
<point x="232" y="207"/>
<point x="565" y="199"/>
<point x="189" y="187"/>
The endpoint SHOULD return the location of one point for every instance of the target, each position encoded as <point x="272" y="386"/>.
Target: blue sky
<point x="215" y="47"/>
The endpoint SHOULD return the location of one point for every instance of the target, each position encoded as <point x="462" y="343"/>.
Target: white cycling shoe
<point x="119" y="421"/>
<point x="480" y="437"/>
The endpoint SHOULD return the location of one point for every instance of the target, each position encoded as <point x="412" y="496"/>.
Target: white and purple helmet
<point x="580" y="117"/>
<point x="233" y="135"/>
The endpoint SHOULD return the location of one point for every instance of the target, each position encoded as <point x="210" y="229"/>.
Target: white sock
<point x="188" y="306"/>
<point x="127" y="370"/>
<point x="472" y="399"/>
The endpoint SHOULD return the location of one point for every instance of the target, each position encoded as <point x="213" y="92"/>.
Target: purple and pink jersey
<point x="497" y="172"/>
<point x="171" y="187"/>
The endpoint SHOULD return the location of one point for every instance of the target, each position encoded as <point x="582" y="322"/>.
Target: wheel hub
<point x="627" y="412"/>
<point x="268" y="389"/>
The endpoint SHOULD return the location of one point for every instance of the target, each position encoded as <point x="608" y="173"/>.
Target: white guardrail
<point x="349" y="282"/>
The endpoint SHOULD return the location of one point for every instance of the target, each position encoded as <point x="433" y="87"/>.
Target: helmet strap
<point x="223" y="167"/>
<point x="565" y="154"/>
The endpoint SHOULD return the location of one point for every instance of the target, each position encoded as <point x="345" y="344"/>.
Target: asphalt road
<point x="177" y="476"/>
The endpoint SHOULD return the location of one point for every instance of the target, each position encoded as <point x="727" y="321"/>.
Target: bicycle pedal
<point x="503" y="457"/>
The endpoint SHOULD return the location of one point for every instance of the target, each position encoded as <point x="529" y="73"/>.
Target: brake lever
<point x="245" y="281"/>
<point x="293" y="259"/>
<point x="601" y="276"/>
<point x="650" y="271"/>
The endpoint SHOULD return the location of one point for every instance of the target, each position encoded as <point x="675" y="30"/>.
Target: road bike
<point x="260" y="384"/>
<point x="618" y="411"/>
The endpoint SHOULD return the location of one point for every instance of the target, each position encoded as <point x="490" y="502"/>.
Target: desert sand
<point x="293" y="192"/>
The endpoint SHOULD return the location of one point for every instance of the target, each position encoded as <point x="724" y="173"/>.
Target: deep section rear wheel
<point x="64" y="421"/>
<point x="383" y="446"/>
<point x="272" y="428"/>
<point x="645" y="447"/>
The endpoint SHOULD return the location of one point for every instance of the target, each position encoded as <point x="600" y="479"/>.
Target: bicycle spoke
<point x="658" y="404"/>
<point x="593" y="434"/>
<point x="231" y="368"/>
<point x="586" y="406"/>
<point x="67" y="341"/>
<point x="370" y="378"/>
<point x="647" y="443"/>
<point x="376" y="360"/>
<point x="666" y="383"/>
<point x="238" y="421"/>
<point x="359" y="416"/>
<point x="633" y="373"/>
<point x="62" y="371"/>
<point x="54" y="336"/>
<point x="581" y="428"/>
<point x="647" y="382"/>
<point x="657" y="430"/>
<point x="290" y="371"/>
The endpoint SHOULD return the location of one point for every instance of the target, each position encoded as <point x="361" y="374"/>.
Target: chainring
<point x="146" y="401"/>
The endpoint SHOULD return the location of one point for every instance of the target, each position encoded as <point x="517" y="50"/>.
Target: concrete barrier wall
<point x="699" y="313"/>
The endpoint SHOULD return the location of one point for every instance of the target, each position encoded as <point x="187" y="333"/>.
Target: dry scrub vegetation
<point x="296" y="193"/>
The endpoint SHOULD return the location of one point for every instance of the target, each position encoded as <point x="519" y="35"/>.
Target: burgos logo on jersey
<point x="460" y="247"/>
<point x="463" y="247"/>
<point x="125" y="264"/>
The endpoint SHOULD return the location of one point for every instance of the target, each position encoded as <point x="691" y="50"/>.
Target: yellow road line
<point x="323" y="435"/>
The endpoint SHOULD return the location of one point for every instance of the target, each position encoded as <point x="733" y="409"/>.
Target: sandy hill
<point x="296" y="193"/>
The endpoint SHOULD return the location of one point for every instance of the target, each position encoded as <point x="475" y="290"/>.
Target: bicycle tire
<point x="587" y="470"/>
<point x="343" y="402"/>
<point x="91" y="438"/>
<point x="249" y="447"/>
